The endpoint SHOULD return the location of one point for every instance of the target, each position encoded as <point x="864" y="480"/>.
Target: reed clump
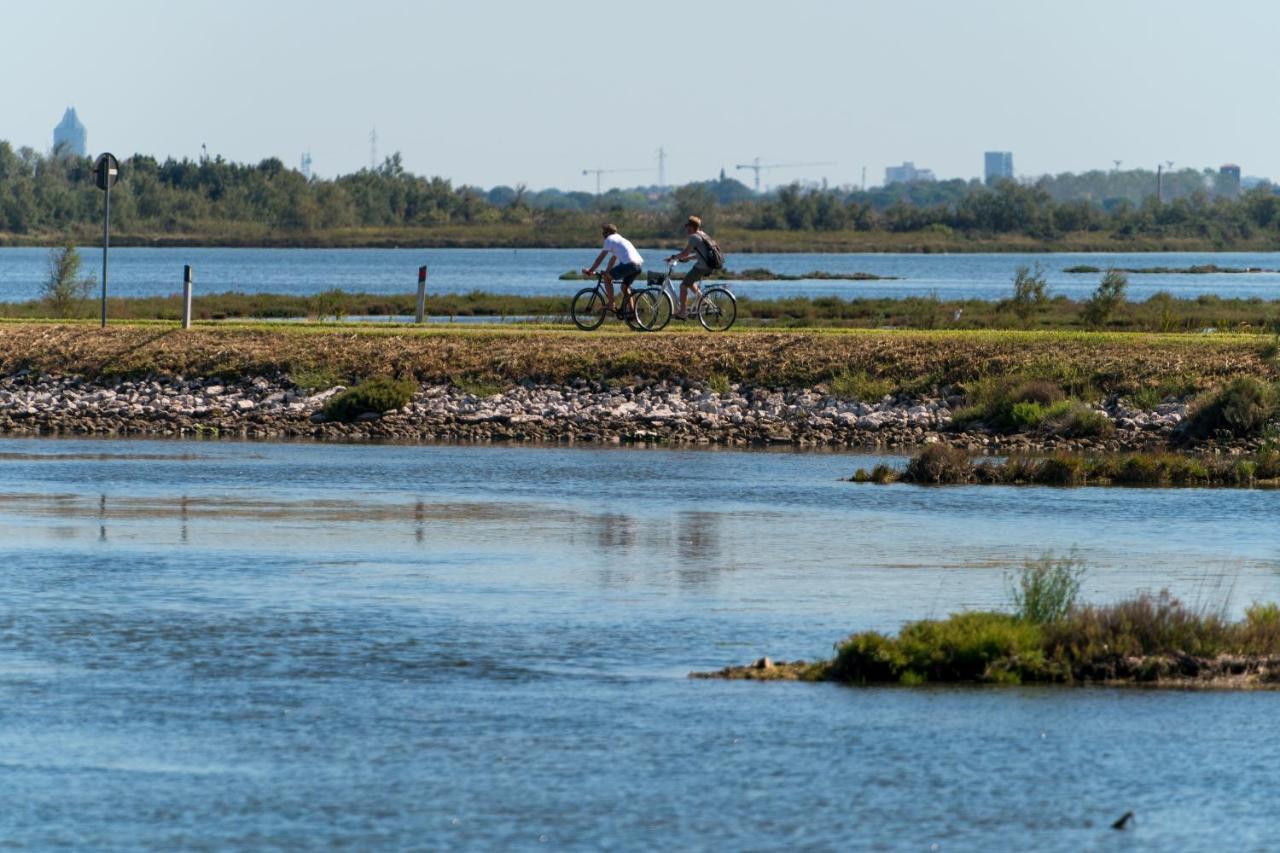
<point x="1050" y="637"/>
<point x="940" y="465"/>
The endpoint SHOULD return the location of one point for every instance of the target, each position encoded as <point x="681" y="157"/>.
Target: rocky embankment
<point x="581" y="411"/>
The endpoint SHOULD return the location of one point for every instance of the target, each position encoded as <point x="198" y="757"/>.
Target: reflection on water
<point x="299" y="645"/>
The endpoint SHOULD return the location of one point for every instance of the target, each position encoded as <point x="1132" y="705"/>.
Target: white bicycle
<point x="716" y="308"/>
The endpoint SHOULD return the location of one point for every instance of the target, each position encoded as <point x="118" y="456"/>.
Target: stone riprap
<point x="581" y="411"/>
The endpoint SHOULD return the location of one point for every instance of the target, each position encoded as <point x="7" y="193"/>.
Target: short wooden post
<point x="422" y="295"/>
<point x="187" y="281"/>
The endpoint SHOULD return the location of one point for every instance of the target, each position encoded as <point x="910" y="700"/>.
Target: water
<point x="208" y="644"/>
<point x="152" y="272"/>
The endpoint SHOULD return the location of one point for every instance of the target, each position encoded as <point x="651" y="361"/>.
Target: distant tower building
<point x="69" y="136"/>
<point x="998" y="165"/>
<point x="1229" y="180"/>
<point x="907" y="173"/>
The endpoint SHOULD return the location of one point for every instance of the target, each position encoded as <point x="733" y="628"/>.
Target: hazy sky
<point x="488" y="92"/>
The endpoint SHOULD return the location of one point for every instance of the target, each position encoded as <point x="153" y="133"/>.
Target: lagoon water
<point x="151" y="272"/>
<point x="216" y="644"/>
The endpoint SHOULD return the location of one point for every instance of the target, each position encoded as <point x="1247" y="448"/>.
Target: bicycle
<point x="590" y="306"/>
<point x="716" y="308"/>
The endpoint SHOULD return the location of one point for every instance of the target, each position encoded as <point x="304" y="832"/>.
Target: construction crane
<point x="599" y="172"/>
<point x="758" y="167"/>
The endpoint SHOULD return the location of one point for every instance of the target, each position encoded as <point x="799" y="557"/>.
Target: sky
<point x="490" y="92"/>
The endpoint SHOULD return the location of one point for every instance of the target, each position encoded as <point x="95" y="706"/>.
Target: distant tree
<point x="1109" y="296"/>
<point x="64" y="290"/>
<point x="1030" y="292"/>
<point x="695" y="200"/>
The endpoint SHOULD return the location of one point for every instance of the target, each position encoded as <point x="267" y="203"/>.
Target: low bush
<point x="965" y="647"/>
<point x="1241" y="408"/>
<point x="373" y="396"/>
<point x="1062" y="469"/>
<point x="939" y="464"/>
<point x="1074" y="419"/>
<point x="1109" y="296"/>
<point x="1146" y="625"/>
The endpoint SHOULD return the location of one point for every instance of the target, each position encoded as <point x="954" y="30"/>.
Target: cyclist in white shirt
<point x="624" y="264"/>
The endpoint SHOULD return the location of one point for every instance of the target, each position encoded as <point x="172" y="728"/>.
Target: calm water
<point x="295" y="645"/>
<point x="139" y="272"/>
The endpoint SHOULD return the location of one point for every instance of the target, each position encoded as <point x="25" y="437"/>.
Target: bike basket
<point x="656" y="277"/>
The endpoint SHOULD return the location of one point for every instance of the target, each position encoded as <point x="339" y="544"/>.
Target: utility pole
<point x="662" y="168"/>
<point x="1159" y="183"/>
<point x="864" y="178"/>
<point x="373" y="150"/>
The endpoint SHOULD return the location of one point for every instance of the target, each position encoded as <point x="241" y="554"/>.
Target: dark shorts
<point x="625" y="273"/>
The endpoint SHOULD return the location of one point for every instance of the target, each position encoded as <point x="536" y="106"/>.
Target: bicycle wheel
<point x="717" y="309"/>
<point x="652" y="310"/>
<point x="665" y="309"/>
<point x="588" y="309"/>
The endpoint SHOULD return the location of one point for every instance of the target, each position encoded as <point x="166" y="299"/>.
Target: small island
<point x="1151" y="640"/>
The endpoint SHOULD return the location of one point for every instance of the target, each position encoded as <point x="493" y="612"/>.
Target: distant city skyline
<point x="491" y="93"/>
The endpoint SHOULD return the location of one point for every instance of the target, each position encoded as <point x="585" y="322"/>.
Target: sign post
<point x="188" y="280"/>
<point x="106" y="171"/>
<point x="421" y="313"/>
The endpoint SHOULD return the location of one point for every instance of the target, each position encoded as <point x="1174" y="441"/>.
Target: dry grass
<point x="904" y="361"/>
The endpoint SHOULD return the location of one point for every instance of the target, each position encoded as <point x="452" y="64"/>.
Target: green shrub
<point x="1046" y="589"/>
<point x="1073" y="419"/>
<point x="965" y="647"/>
<point x="939" y="464"/>
<point x="1260" y="634"/>
<point x="1026" y="415"/>
<point x="64" y="290"/>
<point x="1242" y="408"/>
<point x="857" y="385"/>
<point x="1030" y="291"/>
<point x="1109" y="296"/>
<point x="719" y="383"/>
<point x="1139" y="470"/>
<point x="330" y="303"/>
<point x="1062" y="470"/>
<point x="373" y="396"/>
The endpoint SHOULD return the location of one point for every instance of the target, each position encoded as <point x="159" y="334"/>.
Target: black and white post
<point x="421" y="313"/>
<point x="188" y="281"/>
<point x="106" y="171"/>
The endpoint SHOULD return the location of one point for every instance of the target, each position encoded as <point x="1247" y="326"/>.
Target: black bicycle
<point x="590" y="307"/>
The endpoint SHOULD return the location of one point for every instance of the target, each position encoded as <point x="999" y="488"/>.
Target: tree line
<point x="43" y="194"/>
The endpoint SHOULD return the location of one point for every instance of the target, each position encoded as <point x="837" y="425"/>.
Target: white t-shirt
<point x="620" y="247"/>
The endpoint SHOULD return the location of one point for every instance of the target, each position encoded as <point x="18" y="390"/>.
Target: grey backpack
<point x="712" y="256"/>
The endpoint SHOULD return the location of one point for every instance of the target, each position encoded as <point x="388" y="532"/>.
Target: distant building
<point x="907" y="173"/>
<point x="70" y="137"/>
<point x="997" y="165"/>
<point x="1229" y="179"/>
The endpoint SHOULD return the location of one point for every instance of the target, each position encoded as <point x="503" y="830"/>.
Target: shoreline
<point x="1144" y="672"/>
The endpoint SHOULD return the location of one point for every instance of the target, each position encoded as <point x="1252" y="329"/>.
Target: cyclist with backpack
<point x="707" y="259"/>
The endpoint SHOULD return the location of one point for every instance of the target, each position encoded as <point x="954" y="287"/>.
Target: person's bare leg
<point x="608" y="290"/>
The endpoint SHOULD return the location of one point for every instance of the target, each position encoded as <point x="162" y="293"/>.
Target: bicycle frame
<point x="669" y="287"/>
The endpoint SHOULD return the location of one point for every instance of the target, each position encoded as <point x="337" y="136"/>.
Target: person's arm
<point x="596" y="263"/>
<point x="688" y="252"/>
